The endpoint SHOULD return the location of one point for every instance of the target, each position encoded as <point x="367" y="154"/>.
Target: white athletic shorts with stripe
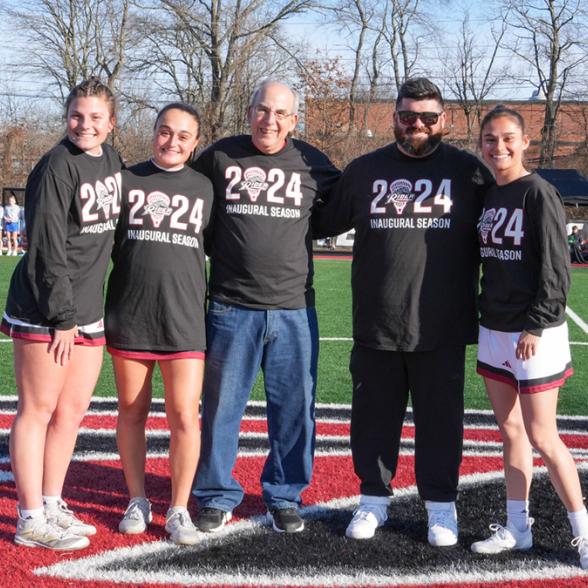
<point x="548" y="368"/>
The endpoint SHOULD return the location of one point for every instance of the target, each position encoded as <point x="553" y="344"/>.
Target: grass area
<point x="334" y="310"/>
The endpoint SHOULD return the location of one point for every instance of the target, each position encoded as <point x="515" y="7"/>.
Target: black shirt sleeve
<point x="334" y="214"/>
<point x="48" y="200"/>
<point x="547" y="223"/>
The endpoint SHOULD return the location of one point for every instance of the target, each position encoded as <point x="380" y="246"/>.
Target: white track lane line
<point x="577" y="319"/>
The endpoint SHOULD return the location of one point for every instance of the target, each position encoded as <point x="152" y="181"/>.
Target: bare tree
<point x="471" y="70"/>
<point x="219" y="37"/>
<point x="373" y="73"/>
<point x="169" y="54"/>
<point x="22" y="142"/>
<point x="355" y="18"/>
<point x="550" y="37"/>
<point x="70" y="40"/>
<point x="325" y="85"/>
<point x="406" y="27"/>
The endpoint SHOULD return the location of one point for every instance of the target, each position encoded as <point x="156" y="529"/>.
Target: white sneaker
<point x="582" y="544"/>
<point x="366" y="519"/>
<point x="59" y="514"/>
<point x="38" y="532"/>
<point x="507" y="539"/>
<point x="180" y="527"/>
<point x="137" y="516"/>
<point x="442" y="524"/>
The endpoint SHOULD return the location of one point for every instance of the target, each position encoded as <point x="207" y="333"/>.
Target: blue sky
<point x="316" y="34"/>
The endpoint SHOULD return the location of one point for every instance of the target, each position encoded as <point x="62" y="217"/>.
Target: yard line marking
<point x="585" y="327"/>
<point x="351" y="338"/>
<point x="577" y="319"/>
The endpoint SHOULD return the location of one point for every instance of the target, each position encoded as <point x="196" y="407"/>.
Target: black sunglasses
<point x="408" y="117"/>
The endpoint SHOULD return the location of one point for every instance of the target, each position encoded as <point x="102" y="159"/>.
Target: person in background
<point x="11" y="225"/>
<point x="22" y="231"/>
<point x="414" y="205"/>
<point x="155" y="312"/>
<point x="523" y="352"/>
<point x="261" y="312"/>
<point x="54" y="313"/>
<point x="575" y="246"/>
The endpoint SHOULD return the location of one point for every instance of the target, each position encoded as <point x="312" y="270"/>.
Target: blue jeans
<point x="284" y="344"/>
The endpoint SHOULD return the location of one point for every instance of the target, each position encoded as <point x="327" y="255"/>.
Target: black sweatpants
<point x="381" y="383"/>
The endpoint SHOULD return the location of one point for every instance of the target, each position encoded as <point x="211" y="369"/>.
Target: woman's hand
<point x="62" y="345"/>
<point x="527" y="345"/>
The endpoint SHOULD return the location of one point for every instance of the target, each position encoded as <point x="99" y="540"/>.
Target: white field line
<point x="581" y="324"/>
<point x="106" y="565"/>
<point x="577" y="319"/>
<point x="261" y="403"/>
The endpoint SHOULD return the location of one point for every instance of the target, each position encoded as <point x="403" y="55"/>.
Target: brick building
<point x="375" y="122"/>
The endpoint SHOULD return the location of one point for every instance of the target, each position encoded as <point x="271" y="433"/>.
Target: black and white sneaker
<point x="285" y="520"/>
<point x="210" y="520"/>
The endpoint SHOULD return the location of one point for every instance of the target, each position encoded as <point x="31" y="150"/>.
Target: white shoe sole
<point x="136" y="530"/>
<point x="30" y="543"/>
<point x="350" y="535"/>
<point x="449" y="542"/>
<point x="183" y="540"/>
<point x="483" y="551"/>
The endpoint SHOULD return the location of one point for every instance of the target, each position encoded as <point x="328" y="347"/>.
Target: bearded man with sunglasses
<point x="414" y="205"/>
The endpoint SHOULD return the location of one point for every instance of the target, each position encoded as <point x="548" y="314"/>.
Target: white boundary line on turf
<point x="261" y="403"/>
<point x="95" y="567"/>
<point x="578" y="320"/>
<point x="350" y="339"/>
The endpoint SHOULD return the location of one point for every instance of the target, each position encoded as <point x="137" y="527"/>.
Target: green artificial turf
<point x="334" y="310"/>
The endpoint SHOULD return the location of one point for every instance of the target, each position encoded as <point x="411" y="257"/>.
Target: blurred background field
<point x="334" y="310"/>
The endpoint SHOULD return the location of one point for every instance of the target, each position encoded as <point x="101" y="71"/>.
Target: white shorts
<point x="548" y="368"/>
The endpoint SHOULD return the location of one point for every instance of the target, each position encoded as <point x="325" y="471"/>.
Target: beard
<point x="417" y="146"/>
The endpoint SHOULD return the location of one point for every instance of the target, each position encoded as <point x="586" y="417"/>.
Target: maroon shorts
<point x="155" y="355"/>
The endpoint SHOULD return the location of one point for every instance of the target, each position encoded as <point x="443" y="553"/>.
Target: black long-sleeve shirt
<point x="261" y="246"/>
<point x="415" y="256"/>
<point x="156" y="290"/>
<point x="72" y="202"/>
<point x="525" y="258"/>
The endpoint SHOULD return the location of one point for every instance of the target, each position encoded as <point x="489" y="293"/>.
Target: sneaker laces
<point x="134" y="511"/>
<point x="580" y="542"/>
<point x="183" y="518"/>
<point x="58" y="514"/>
<point x="499" y="531"/>
<point x="46" y="527"/>
<point x="62" y="511"/>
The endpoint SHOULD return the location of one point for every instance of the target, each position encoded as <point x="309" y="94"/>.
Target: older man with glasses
<point x="261" y="310"/>
<point x="414" y="205"/>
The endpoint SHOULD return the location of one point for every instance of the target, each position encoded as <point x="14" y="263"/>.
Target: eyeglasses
<point x="408" y="117"/>
<point x="261" y="111"/>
